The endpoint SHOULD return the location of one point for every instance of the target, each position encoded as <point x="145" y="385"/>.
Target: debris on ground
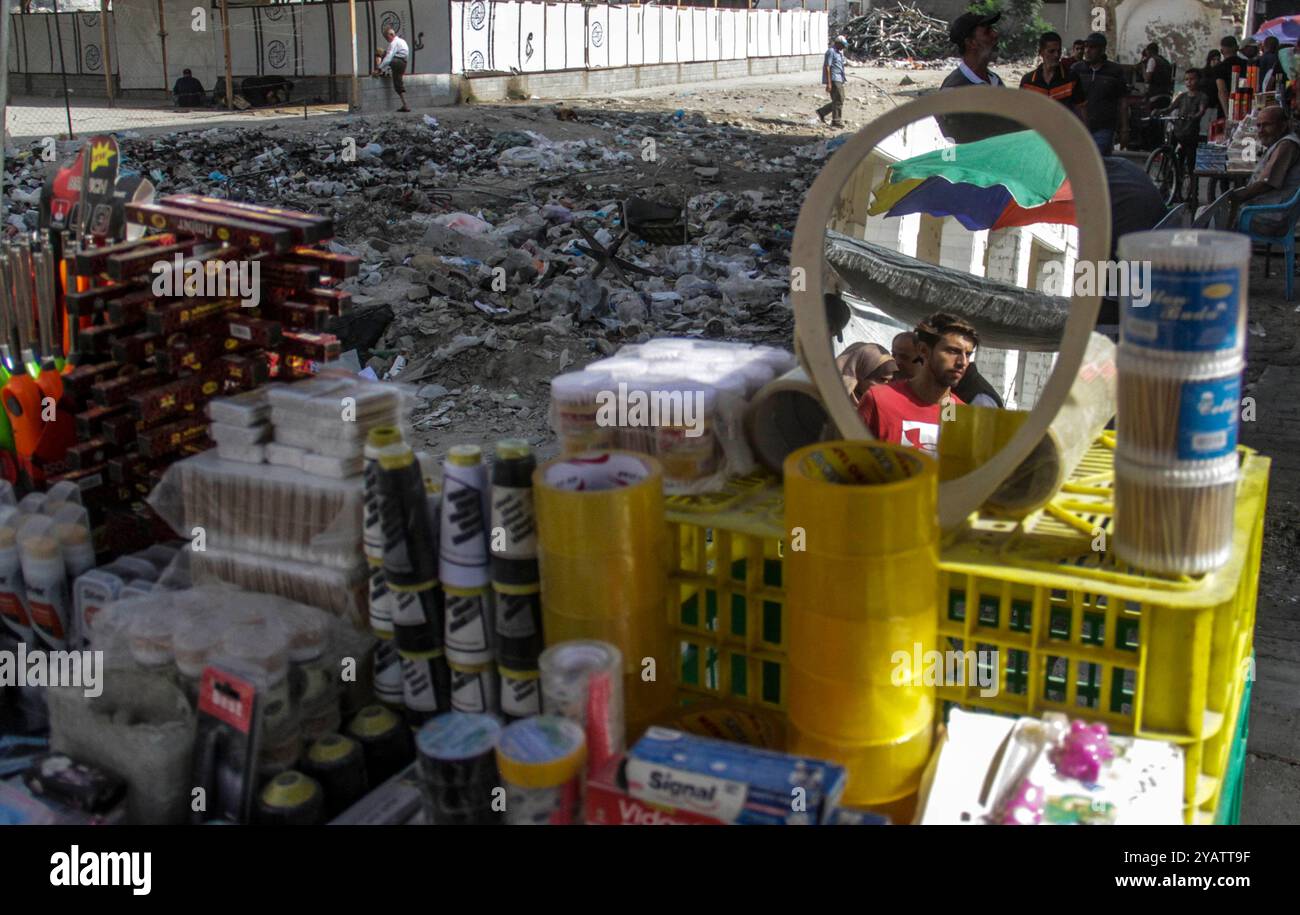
<point x="494" y="259"/>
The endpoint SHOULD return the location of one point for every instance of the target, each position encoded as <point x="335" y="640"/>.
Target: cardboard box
<point x="609" y="805"/>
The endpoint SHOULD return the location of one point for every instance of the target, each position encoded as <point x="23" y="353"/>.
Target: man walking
<point x="1103" y="86"/>
<point x="833" y="80"/>
<point x="977" y="44"/>
<point x="395" y="59"/>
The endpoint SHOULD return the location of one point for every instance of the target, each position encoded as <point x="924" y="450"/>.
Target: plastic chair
<point x="1291" y="209"/>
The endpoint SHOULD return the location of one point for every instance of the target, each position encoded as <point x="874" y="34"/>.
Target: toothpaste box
<point x="608" y="804"/>
<point x="730" y="782"/>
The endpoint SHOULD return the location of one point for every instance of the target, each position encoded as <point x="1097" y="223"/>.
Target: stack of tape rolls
<point x="583" y="681"/>
<point x="542" y="759"/>
<point x="458" y="769"/>
<point x="406" y="602"/>
<point x="862" y="590"/>
<point x="1181" y="355"/>
<point x="464" y="567"/>
<point x="516" y="581"/>
<point x="602" y="544"/>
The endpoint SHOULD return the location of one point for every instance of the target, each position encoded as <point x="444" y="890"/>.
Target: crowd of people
<point x="901" y="393"/>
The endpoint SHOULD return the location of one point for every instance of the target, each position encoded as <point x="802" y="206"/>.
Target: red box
<point x="609" y="805"/>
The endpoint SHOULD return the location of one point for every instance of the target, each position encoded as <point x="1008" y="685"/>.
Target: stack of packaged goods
<point x="465" y="570"/>
<point x="516" y="580"/>
<point x="293" y="526"/>
<point x="679" y="400"/>
<point x="50" y="587"/>
<point x="283" y="656"/>
<point x="406" y="600"/>
<point x="223" y="298"/>
<point x="1180" y="361"/>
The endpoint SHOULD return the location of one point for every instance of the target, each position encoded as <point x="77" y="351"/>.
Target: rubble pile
<point x="901" y="31"/>
<point x="493" y="260"/>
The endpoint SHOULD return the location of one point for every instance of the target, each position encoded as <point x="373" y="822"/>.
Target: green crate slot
<point x="739" y="613"/>
<point x="690" y="664"/>
<point x="1094" y="629"/>
<point x="771" y="622"/>
<point x="712" y="677"/>
<point x="1123" y="684"/>
<point x="1058" y="626"/>
<point x="1017" y="666"/>
<point x="772" y="682"/>
<point x="988" y="610"/>
<point x="738" y="570"/>
<point x="772" y="573"/>
<point x="1088" y="685"/>
<point x="739" y="675"/>
<point x="1056" y="680"/>
<point x="690" y="607"/>
<point x="1022" y="616"/>
<point x="957" y="605"/>
<point x="1126" y="633"/>
<point x="711" y="610"/>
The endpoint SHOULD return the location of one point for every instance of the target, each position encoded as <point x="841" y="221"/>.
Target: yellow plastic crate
<point x="1159" y="657"/>
<point x="725" y="594"/>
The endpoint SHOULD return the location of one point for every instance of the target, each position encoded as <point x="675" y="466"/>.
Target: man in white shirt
<point x="395" y="60"/>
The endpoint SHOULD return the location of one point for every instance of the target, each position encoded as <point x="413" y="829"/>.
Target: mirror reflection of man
<point x="909" y="411"/>
<point x="977" y="44"/>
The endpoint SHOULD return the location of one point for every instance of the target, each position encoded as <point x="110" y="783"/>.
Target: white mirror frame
<point x="1074" y="146"/>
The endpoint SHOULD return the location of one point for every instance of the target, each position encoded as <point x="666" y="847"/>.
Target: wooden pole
<point x="162" y="38"/>
<point x="356" y="84"/>
<point x="225" y="37"/>
<point x="108" y="53"/>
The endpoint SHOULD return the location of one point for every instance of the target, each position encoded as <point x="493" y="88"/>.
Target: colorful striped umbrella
<point x="1009" y="180"/>
<point x="1286" y="29"/>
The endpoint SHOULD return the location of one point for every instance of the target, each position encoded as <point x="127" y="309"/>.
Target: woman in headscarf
<point x="862" y="365"/>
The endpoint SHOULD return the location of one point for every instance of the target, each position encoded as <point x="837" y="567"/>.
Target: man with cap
<point x="1104" y="86"/>
<point x="833" y="80"/>
<point x="977" y="44"/>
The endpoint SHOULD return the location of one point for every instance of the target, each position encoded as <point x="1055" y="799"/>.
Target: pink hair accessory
<point x="1083" y="751"/>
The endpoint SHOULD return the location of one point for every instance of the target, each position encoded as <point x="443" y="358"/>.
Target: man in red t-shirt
<point x="909" y="411"/>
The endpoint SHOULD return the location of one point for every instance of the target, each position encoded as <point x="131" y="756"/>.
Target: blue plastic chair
<point x="1287" y="239"/>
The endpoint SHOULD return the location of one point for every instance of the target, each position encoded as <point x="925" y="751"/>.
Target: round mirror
<point x="939" y="306"/>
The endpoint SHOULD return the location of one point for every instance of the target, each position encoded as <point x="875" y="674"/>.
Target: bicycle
<point x="1165" y="164"/>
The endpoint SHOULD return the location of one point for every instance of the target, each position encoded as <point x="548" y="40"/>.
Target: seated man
<point x="188" y="91"/>
<point x="910" y="410"/>
<point x="1276" y="176"/>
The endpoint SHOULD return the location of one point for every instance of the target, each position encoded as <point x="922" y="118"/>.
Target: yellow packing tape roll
<point x="861" y="498"/>
<point x="567" y="584"/>
<point x="859" y="587"/>
<point x="877" y="772"/>
<point x="857" y="712"/>
<point x="861" y="590"/>
<point x="598" y="503"/>
<point x="851" y="651"/>
<point x="603" y="553"/>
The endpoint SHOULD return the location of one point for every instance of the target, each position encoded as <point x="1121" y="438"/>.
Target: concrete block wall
<point x="583" y="83"/>
<point x="423" y="90"/>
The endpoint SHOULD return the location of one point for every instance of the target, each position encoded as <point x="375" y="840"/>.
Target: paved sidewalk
<point x="1272" y="788"/>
